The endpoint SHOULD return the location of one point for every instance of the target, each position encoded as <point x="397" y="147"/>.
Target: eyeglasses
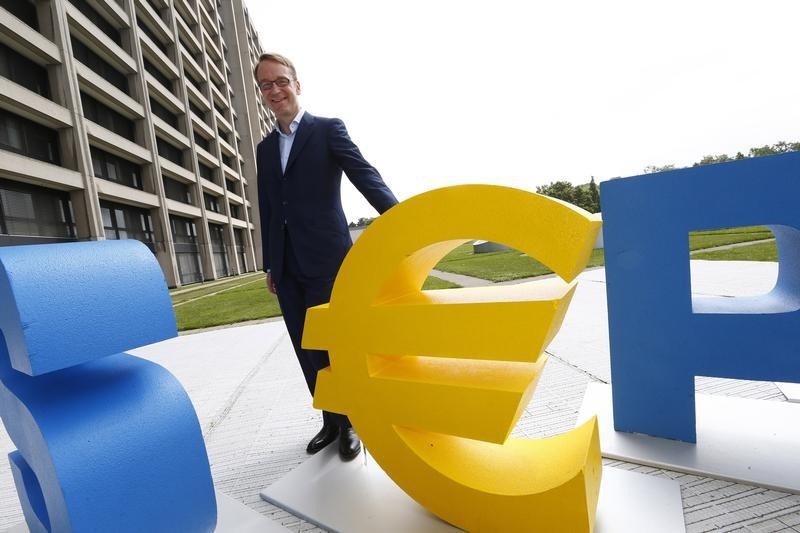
<point x="268" y="85"/>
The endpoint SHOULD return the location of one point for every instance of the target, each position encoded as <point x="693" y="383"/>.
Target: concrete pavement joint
<point x="579" y="369"/>
<point x="234" y="397"/>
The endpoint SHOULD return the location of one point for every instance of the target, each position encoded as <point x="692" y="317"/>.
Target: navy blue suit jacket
<point x="306" y="198"/>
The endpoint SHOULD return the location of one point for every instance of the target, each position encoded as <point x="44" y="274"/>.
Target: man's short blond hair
<point x="277" y="58"/>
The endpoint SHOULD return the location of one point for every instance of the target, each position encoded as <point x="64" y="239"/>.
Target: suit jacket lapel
<point x="304" y="130"/>
<point x="273" y="153"/>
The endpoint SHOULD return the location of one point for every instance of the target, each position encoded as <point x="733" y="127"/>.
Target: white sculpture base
<point x="790" y="390"/>
<point x="232" y="517"/>
<point x="749" y="441"/>
<point x="358" y="497"/>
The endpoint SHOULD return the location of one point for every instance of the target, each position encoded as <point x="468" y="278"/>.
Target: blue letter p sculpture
<point x="105" y="441"/>
<point x="661" y="335"/>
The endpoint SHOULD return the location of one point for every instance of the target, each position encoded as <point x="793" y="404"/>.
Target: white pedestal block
<point x="742" y="440"/>
<point x="358" y="497"/>
<point x="790" y="390"/>
<point x="235" y="517"/>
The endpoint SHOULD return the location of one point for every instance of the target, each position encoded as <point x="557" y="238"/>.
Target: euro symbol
<point x="434" y="381"/>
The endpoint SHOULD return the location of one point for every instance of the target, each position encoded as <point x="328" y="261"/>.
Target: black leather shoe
<point x="349" y="444"/>
<point x="326" y="435"/>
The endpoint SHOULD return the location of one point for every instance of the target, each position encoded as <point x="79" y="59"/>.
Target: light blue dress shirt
<point x="285" y="141"/>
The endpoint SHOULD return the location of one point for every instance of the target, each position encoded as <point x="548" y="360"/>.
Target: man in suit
<point x="303" y="227"/>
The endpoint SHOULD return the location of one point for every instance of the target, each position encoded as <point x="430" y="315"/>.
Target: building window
<point x="234" y="210"/>
<point x="197" y="111"/>
<point x="238" y="236"/>
<point x="28" y="138"/>
<point x="127" y="222"/>
<point x="183" y="230"/>
<point x="105" y="26"/>
<point x="163" y="113"/>
<point x="184" y="237"/>
<point x="217" y="233"/>
<point x="205" y="171"/>
<point x="112" y="168"/>
<point x="224" y="136"/>
<point x="156" y="41"/>
<point x="27" y="210"/>
<point x="155" y="9"/>
<point x="169" y="152"/>
<point x="158" y="75"/>
<point x="195" y="56"/>
<point x="24" y="10"/>
<point x="175" y="190"/>
<point x="230" y="185"/>
<point x="103" y="115"/>
<point x="212" y="202"/>
<point x="85" y="55"/>
<point x="193" y="82"/>
<point x="202" y="142"/>
<point x="228" y="160"/>
<point x="23" y="71"/>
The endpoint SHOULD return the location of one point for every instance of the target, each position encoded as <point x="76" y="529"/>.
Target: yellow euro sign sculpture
<point x="434" y="381"/>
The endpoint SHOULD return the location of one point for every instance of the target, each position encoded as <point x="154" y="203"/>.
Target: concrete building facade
<point x="133" y="119"/>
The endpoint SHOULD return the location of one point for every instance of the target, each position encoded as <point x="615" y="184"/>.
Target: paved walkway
<point x="729" y="246"/>
<point x="256" y="417"/>
<point x="460" y="279"/>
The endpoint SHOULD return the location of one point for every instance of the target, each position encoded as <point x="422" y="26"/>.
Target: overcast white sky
<point x="508" y="92"/>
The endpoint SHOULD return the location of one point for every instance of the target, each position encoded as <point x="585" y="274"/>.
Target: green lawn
<point x="247" y="301"/>
<point x="251" y="301"/>
<point x="190" y="292"/>
<point x="766" y="251"/>
<point x="246" y="298"/>
<point x="740" y="229"/>
<point x="434" y="283"/>
<point x="508" y="265"/>
<point x="499" y="266"/>
<point x="708" y="239"/>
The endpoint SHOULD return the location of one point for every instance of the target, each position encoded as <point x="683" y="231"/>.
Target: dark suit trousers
<point x="296" y="293"/>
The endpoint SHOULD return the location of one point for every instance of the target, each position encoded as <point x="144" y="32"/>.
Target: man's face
<point x="280" y="100"/>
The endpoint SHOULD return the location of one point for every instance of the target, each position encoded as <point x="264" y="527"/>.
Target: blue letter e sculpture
<point x="105" y="441"/>
<point x="660" y="336"/>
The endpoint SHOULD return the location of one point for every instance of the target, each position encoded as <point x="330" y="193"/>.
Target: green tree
<point x="594" y="197"/>
<point x="652" y="169"/>
<point x="761" y="151"/>
<point x="580" y="195"/>
<point x="563" y="190"/>
<point x="581" y="198"/>
<point x="780" y="147"/>
<point x="712" y="159"/>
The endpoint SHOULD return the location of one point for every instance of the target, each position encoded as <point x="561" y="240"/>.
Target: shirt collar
<point x="294" y="124"/>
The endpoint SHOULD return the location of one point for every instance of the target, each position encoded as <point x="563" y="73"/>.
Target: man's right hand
<point x="271" y="284"/>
